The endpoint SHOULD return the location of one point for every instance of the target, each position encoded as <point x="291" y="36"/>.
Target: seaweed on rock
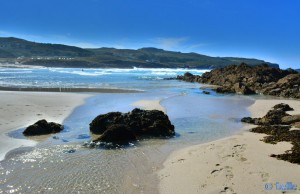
<point x="275" y="126"/>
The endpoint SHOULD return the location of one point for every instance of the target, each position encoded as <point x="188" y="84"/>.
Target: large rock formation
<point x="124" y="127"/>
<point x="245" y="79"/>
<point x="288" y="86"/>
<point x="42" y="127"/>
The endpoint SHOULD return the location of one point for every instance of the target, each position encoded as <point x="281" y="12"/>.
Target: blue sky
<point x="264" y="29"/>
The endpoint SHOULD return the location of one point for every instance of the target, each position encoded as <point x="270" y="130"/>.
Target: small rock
<point x="42" y="127"/>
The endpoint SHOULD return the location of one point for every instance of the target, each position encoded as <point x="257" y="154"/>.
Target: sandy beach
<point x="150" y="105"/>
<point x="20" y="109"/>
<point x="237" y="164"/>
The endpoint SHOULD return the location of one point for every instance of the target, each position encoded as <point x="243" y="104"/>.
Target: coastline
<point x="72" y="90"/>
<point x="20" y="109"/>
<point x="237" y="164"/>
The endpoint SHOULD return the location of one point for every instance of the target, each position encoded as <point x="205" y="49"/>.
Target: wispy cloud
<point x="183" y="44"/>
<point x="170" y="43"/>
<point x="195" y="46"/>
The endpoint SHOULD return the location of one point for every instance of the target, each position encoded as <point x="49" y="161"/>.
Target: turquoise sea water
<point x="135" y="78"/>
<point x="197" y="117"/>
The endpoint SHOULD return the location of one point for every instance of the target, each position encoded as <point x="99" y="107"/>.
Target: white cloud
<point x="170" y="43"/>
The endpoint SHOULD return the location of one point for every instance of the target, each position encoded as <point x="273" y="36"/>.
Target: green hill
<point x="24" y="48"/>
<point x="57" y="55"/>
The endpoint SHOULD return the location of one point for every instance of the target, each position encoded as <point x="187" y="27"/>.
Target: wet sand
<point x="85" y="90"/>
<point x="238" y="164"/>
<point x="150" y="105"/>
<point x="20" y="109"/>
<point x="87" y="170"/>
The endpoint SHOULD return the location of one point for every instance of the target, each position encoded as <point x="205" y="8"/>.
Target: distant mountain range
<point x="19" y="51"/>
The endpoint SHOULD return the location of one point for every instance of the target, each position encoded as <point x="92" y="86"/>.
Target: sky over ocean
<point x="267" y="30"/>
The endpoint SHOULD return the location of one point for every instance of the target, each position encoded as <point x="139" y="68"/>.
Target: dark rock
<point x="241" y="88"/>
<point x="225" y="89"/>
<point x="206" y="92"/>
<point x="271" y="129"/>
<point x="288" y="86"/>
<point x="245" y="79"/>
<point x="42" y="127"/>
<point x="297" y="125"/>
<point x="290" y="119"/>
<point x="284" y="107"/>
<point x="280" y="131"/>
<point x="273" y="117"/>
<point x="100" y="123"/>
<point x="117" y="133"/>
<point x="141" y="123"/>
<point x="188" y="77"/>
<point x="250" y="120"/>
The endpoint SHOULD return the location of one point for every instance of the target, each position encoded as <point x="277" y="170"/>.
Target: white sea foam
<point x="14" y="72"/>
<point x="152" y="71"/>
<point x="80" y="71"/>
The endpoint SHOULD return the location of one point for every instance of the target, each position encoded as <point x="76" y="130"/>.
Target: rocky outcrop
<point x="273" y="117"/>
<point x="245" y="79"/>
<point x="290" y="119"/>
<point x="277" y="124"/>
<point x="284" y="107"/>
<point x="188" y="77"/>
<point x="119" y="127"/>
<point x="42" y="127"/>
<point x="288" y="86"/>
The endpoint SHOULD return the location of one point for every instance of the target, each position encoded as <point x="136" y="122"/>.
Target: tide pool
<point x="52" y="167"/>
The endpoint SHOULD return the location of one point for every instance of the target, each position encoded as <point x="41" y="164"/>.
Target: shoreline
<point x="21" y="109"/>
<point x="72" y="90"/>
<point x="150" y="105"/>
<point x="235" y="164"/>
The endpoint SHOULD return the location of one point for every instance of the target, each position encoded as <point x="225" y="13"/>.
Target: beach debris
<point x="277" y="125"/>
<point x="42" y="127"/>
<point x="126" y="127"/>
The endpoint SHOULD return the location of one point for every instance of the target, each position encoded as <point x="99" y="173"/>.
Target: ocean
<point x="198" y="118"/>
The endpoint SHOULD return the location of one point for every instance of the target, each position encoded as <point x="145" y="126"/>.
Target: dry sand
<point x="20" y="109"/>
<point x="238" y="164"/>
<point x="149" y="105"/>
